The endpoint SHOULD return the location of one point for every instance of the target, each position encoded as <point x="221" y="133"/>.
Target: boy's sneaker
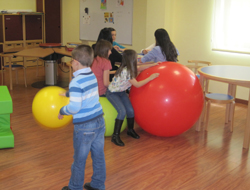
<point x="66" y="188"/>
<point x="88" y="187"/>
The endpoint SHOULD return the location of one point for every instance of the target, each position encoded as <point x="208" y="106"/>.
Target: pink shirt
<point x="100" y="65"/>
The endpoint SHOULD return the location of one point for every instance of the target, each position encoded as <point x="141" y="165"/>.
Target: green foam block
<point x="6" y="138"/>
<point x="5" y="120"/>
<point x="5" y="101"/>
<point x="6" y="107"/>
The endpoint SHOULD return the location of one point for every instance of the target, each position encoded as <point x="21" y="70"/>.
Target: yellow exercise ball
<point x="46" y="106"/>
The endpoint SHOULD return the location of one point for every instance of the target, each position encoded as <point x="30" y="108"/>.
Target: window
<point x="231" y="28"/>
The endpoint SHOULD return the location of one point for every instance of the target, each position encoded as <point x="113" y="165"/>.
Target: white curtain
<point x="231" y="26"/>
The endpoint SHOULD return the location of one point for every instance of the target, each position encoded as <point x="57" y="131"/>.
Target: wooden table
<point x="9" y="56"/>
<point x="62" y="51"/>
<point x="233" y="75"/>
<point x="39" y="52"/>
<point x="9" y="53"/>
<point x="35" y="52"/>
<point x="50" y="55"/>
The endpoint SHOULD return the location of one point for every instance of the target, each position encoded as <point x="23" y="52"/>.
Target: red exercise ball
<point x="170" y="104"/>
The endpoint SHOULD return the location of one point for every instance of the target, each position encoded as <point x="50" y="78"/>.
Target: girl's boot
<point x="131" y="132"/>
<point x="116" y="135"/>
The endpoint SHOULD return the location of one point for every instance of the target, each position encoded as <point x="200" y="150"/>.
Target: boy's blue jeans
<point x="121" y="103"/>
<point x="87" y="137"/>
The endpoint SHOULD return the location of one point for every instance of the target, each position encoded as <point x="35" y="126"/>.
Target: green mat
<point x="5" y="101"/>
<point x="6" y="108"/>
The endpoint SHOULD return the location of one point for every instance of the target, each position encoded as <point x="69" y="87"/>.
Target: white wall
<point x="192" y="36"/>
<point x="18" y="5"/>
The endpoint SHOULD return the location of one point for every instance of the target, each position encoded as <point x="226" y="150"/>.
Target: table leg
<point x="198" y="123"/>
<point x="10" y="73"/>
<point x="247" y="127"/>
<point x="206" y="85"/>
<point x="232" y="92"/>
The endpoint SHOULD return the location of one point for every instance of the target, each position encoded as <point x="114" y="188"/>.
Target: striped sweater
<point x="84" y="98"/>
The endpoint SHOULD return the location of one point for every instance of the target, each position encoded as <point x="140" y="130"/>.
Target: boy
<point x="89" y="126"/>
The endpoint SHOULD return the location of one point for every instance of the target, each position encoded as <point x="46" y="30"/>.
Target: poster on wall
<point x="118" y="14"/>
<point x="103" y="4"/>
<point x="120" y="3"/>
<point x="86" y="16"/>
<point x="109" y="17"/>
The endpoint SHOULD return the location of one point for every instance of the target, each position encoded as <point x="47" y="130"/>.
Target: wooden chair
<point x="14" y="67"/>
<point x="37" y="66"/>
<point x="70" y="70"/>
<point x="194" y="65"/>
<point x="220" y="99"/>
<point x="197" y="64"/>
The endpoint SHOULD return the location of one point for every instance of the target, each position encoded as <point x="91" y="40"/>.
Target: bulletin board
<point x="98" y="14"/>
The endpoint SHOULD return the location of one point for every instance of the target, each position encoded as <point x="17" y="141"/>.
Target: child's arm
<point x="63" y="94"/>
<point x="119" y="49"/>
<point x="146" y="66"/>
<point x="149" y="48"/>
<point x="112" y="72"/>
<point x="116" y="48"/>
<point x="75" y="102"/>
<point x="60" y="116"/>
<point x="149" y="56"/>
<point x="145" y="63"/>
<point x="138" y="84"/>
<point x="145" y="51"/>
<point x="106" y="78"/>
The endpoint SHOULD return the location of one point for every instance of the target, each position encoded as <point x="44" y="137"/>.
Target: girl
<point x="116" y="45"/>
<point x="164" y="49"/>
<point x="116" y="93"/>
<point x="115" y="56"/>
<point x="101" y="65"/>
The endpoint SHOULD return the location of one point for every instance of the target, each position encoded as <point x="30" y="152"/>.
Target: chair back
<point x="197" y="64"/>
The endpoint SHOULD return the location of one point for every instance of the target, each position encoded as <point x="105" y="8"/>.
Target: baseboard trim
<point x="241" y="101"/>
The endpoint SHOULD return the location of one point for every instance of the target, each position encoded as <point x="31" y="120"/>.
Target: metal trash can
<point x="50" y="72"/>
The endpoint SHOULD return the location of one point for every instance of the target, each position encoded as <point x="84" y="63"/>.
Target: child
<point x="164" y="49"/>
<point x="89" y="125"/>
<point x="116" y="45"/>
<point x="101" y="65"/>
<point x="116" y="94"/>
<point x="115" y="56"/>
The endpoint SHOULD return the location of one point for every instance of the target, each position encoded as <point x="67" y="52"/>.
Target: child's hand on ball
<point x="60" y="116"/>
<point x="62" y="94"/>
<point x="153" y="76"/>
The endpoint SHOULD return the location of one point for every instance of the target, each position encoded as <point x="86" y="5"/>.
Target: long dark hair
<point x="105" y="34"/>
<point x="129" y="60"/>
<point x="102" y="48"/>
<point x="111" y="29"/>
<point x="167" y="47"/>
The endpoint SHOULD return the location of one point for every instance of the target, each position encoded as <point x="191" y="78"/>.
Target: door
<point x="13" y="27"/>
<point x="53" y="21"/>
<point x="33" y="25"/>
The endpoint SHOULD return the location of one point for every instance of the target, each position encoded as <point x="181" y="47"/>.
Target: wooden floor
<point x="41" y="159"/>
